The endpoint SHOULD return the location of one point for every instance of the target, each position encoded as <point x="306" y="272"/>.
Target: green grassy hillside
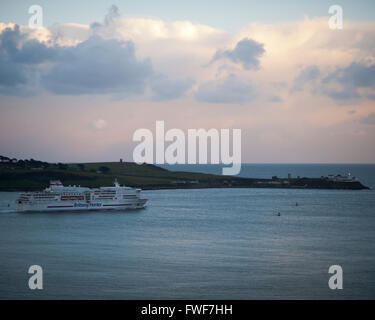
<point x="30" y="174"/>
<point x="97" y="174"/>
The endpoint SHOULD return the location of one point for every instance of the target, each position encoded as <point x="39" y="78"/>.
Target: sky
<point x="77" y="88"/>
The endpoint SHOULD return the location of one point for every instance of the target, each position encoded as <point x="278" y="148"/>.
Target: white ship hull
<point x="81" y="206"/>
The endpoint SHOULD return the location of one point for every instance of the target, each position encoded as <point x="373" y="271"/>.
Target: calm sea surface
<point x="200" y="244"/>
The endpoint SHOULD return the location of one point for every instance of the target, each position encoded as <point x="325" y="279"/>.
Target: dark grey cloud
<point x="94" y="66"/>
<point x="20" y="59"/>
<point x="247" y="52"/>
<point x="370" y="119"/>
<point x="229" y="90"/>
<point x="355" y="75"/>
<point x="112" y="15"/>
<point x="350" y="79"/>
<point x="30" y="52"/>
<point x="164" y="88"/>
<point x="98" y="66"/>
<point x="342" y="84"/>
<point x="275" y="99"/>
<point x="12" y="74"/>
<point x="344" y="94"/>
<point x="308" y="74"/>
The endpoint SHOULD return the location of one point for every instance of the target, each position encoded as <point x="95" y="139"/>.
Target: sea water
<point x="200" y="244"/>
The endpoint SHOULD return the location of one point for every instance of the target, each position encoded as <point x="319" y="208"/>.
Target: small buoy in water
<point x="278" y="214"/>
<point x="296" y="204"/>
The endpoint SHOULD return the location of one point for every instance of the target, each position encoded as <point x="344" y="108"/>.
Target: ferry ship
<point x="58" y="197"/>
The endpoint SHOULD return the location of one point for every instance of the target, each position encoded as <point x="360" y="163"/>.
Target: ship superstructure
<point x="58" y="197"/>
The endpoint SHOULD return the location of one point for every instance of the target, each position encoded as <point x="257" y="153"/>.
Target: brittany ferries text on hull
<point x="59" y="198"/>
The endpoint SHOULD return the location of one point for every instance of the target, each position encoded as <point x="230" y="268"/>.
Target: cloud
<point x="15" y="47"/>
<point x="109" y="22"/>
<point x="229" y="90"/>
<point x="113" y="14"/>
<point x="247" y="52"/>
<point x="342" y="84"/>
<point x="164" y="88"/>
<point x="350" y="79"/>
<point x="178" y="51"/>
<point x="99" y="124"/>
<point x="275" y="99"/>
<point x="370" y="119"/>
<point x="308" y="74"/>
<point x="20" y="59"/>
<point x="92" y="66"/>
<point x="99" y="66"/>
<point x="68" y="34"/>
